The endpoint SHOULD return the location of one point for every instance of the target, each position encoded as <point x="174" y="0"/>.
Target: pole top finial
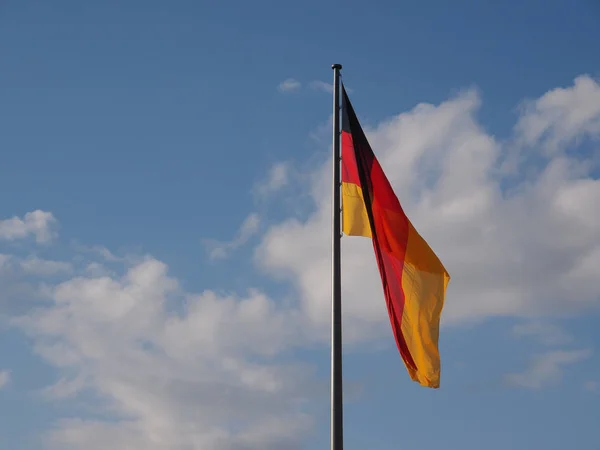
<point x="336" y="66"/>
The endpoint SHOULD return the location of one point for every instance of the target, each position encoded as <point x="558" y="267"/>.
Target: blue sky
<point x="164" y="272"/>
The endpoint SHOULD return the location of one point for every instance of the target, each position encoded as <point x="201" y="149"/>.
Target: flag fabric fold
<point x="413" y="278"/>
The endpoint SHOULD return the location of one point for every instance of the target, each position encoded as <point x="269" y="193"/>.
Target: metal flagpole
<point x="337" y="434"/>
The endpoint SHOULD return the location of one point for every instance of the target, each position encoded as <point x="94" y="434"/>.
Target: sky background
<point x="164" y="222"/>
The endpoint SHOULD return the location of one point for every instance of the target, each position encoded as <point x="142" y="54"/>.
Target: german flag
<point x="414" y="280"/>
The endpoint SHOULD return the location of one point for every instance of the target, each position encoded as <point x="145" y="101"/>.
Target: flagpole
<point x="337" y="434"/>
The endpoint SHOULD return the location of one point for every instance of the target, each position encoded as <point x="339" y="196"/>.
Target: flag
<point x="414" y="280"/>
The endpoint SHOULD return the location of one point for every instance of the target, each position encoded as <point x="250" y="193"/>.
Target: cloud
<point x="547" y="368"/>
<point x="292" y="85"/>
<point x="321" y="86"/>
<point x="277" y="178"/>
<point x="37" y="223"/>
<point x="96" y="269"/>
<point x="38" y="266"/>
<point x="33" y="265"/>
<point x="289" y="85"/>
<point x="543" y="332"/>
<point x="4" y="378"/>
<point x="592" y="386"/>
<point x="561" y="116"/>
<point x="518" y="250"/>
<point x="172" y="369"/>
<point x="5" y="261"/>
<point x="222" y="250"/>
<point x="98" y="250"/>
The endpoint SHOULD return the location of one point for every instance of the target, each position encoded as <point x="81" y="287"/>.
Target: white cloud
<point x="33" y="265"/>
<point x="277" y="178"/>
<point x="98" y="250"/>
<point x="221" y="250"/>
<point x="528" y="250"/>
<point x="547" y="368"/>
<point x="561" y="116"/>
<point x="5" y="261"/>
<point x="289" y="85"/>
<point x="546" y="333"/>
<point x="322" y="86"/>
<point x="37" y="266"/>
<point x="4" y="378"/>
<point x="96" y="269"/>
<point x="37" y="223"/>
<point x="173" y="369"/>
<point x="64" y="388"/>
